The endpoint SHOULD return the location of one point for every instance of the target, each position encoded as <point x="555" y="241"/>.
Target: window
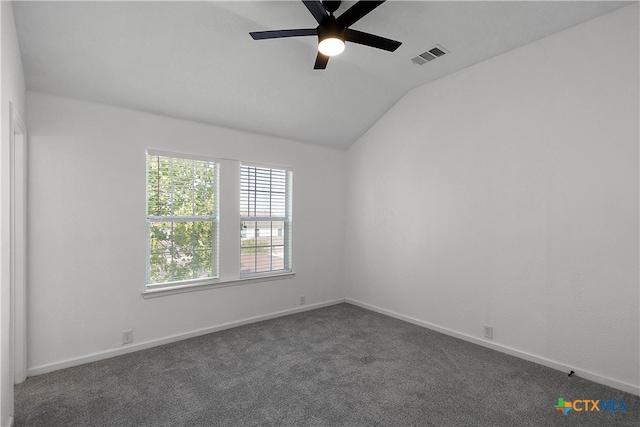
<point x="191" y="242"/>
<point x="265" y="215"/>
<point x="182" y="218"/>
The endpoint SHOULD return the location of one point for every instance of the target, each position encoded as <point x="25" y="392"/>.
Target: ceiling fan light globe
<point x="331" y="46"/>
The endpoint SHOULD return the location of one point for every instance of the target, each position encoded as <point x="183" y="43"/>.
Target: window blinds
<point x="265" y="212"/>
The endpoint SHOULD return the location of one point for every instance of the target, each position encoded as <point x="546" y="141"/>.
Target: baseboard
<point x="106" y="354"/>
<point x="10" y="422"/>
<point x="629" y="388"/>
<point x="93" y="357"/>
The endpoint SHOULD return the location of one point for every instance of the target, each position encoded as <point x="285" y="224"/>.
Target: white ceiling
<point x="196" y="60"/>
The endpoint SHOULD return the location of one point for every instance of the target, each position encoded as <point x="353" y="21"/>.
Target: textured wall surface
<point x="87" y="228"/>
<point x="507" y="195"/>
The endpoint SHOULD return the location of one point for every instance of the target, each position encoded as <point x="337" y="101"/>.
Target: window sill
<point x="213" y="284"/>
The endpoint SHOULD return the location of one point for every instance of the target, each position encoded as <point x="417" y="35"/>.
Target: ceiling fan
<point x="333" y="32"/>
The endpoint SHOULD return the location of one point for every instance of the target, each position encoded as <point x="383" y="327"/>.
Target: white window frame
<point x="214" y="219"/>
<point x="228" y="241"/>
<point x="286" y="218"/>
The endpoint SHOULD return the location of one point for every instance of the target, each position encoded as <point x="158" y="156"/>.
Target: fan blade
<point x="371" y="40"/>
<point x="321" y="62"/>
<point x="278" y="34"/>
<point x="357" y="12"/>
<point x="317" y="9"/>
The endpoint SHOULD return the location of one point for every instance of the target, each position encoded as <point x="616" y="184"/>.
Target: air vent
<point x="428" y="56"/>
<point x="419" y="60"/>
<point x="437" y="51"/>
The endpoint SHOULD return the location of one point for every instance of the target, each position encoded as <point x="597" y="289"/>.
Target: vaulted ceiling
<point x="196" y="60"/>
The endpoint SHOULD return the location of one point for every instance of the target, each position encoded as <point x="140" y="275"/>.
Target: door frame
<point x="18" y="244"/>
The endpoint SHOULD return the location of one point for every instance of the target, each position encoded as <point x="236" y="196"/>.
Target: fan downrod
<point x="331" y="6"/>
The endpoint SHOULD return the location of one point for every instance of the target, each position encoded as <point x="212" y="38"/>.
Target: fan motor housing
<point x="330" y="29"/>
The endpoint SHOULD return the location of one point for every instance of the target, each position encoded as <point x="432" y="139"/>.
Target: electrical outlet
<point x="303" y="300"/>
<point x="488" y="332"/>
<point x="127" y="337"/>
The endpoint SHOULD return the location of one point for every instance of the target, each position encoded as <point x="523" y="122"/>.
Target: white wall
<point x="87" y="230"/>
<point x="12" y="91"/>
<point x="507" y="195"/>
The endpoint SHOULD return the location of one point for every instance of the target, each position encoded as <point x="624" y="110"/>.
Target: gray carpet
<point x="335" y="366"/>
